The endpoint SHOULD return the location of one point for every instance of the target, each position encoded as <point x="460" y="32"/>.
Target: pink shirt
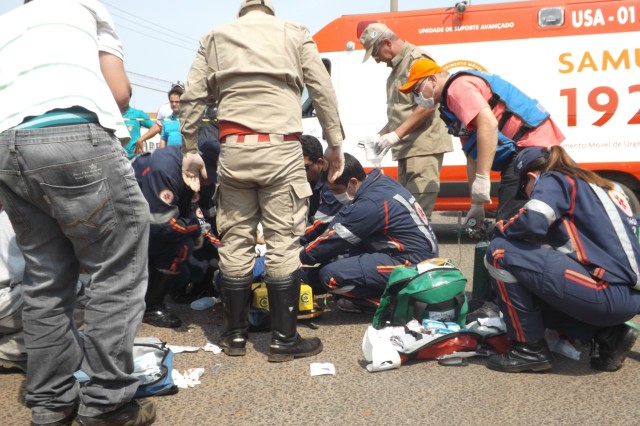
<point x="468" y="94"/>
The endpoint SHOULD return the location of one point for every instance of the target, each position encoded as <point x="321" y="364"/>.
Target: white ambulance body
<point x="580" y="59"/>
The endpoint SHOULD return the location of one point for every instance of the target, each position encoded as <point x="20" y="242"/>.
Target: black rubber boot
<point x="286" y="343"/>
<point x="522" y="357"/>
<point x="236" y="295"/>
<point x="614" y="344"/>
<point x="157" y="313"/>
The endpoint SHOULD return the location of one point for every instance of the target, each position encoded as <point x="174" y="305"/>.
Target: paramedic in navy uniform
<point x="572" y="250"/>
<point x="381" y="227"/>
<point x="175" y="228"/>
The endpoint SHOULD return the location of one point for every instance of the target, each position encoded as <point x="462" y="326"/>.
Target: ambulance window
<point x="307" y="106"/>
<point x="551" y="17"/>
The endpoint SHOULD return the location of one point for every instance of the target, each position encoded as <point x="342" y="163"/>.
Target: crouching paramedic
<point x="381" y="227"/>
<point x="175" y="229"/>
<point x="568" y="260"/>
<point x="494" y="120"/>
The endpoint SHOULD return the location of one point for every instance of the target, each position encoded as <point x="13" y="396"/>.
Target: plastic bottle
<point x="203" y="303"/>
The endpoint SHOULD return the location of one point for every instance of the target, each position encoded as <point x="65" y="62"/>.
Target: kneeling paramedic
<point x="568" y="260"/>
<point x="382" y="226"/>
<point x="175" y="228"/>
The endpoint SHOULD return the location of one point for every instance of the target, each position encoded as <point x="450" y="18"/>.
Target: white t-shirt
<point x="163" y="112"/>
<point x="50" y="59"/>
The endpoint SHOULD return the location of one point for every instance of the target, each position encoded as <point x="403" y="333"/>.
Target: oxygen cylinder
<point x="481" y="284"/>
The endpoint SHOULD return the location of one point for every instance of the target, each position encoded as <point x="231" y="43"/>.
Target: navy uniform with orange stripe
<point x="572" y="252"/>
<point x="323" y="207"/>
<point x="175" y="226"/>
<point x="382" y="228"/>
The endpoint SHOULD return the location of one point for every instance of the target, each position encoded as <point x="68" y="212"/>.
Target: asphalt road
<point x="250" y="391"/>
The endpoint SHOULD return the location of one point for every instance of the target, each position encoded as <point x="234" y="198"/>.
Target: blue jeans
<point x="73" y="200"/>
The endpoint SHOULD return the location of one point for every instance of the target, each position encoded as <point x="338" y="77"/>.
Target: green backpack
<point x="433" y="289"/>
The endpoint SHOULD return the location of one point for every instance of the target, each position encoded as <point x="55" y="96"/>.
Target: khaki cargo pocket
<point x="300" y="193"/>
<point x="84" y="212"/>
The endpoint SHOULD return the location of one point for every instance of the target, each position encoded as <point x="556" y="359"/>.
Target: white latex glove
<point x="475" y="217"/>
<point x="386" y="142"/>
<point x="333" y="155"/>
<point x="192" y="169"/>
<point x="480" y="190"/>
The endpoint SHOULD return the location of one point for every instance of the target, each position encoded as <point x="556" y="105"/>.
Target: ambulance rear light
<point x="551" y="17"/>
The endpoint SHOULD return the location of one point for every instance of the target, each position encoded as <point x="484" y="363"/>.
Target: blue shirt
<point x="171" y="130"/>
<point x="134" y="119"/>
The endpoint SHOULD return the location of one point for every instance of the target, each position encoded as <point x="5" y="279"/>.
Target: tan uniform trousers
<point x="261" y="182"/>
<point x="420" y="175"/>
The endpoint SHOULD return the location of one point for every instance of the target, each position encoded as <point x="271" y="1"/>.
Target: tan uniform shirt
<point x="257" y="67"/>
<point x="430" y="137"/>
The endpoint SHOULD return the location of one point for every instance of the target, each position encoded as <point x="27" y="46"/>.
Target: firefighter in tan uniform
<point x="417" y="138"/>
<point x="256" y="67"/>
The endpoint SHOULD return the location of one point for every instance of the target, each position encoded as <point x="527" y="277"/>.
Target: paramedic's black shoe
<point x="286" y="343"/>
<point x="137" y="412"/>
<point x="9" y="366"/>
<point x="522" y="357"/>
<point x="614" y="344"/>
<point x="236" y="296"/>
<point x="346" y="305"/>
<point x="160" y="316"/>
<point x="157" y="314"/>
<point x="482" y="309"/>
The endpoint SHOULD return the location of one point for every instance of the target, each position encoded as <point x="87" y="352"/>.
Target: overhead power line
<point x="156" y="29"/>
<point x="148" y="77"/>
<point x="149" y="88"/>
<point x="190" y="49"/>
<point x="150" y="22"/>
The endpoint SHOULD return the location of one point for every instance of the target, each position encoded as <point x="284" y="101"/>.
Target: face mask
<point x="344" y="198"/>
<point x="428" y="103"/>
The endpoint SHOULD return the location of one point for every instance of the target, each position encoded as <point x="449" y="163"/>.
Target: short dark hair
<point x="352" y="169"/>
<point x="175" y="90"/>
<point x="311" y="147"/>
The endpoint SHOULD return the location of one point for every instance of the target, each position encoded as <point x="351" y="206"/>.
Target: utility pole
<point x="394" y="6"/>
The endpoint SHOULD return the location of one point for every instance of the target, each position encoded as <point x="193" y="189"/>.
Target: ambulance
<point x="580" y="59"/>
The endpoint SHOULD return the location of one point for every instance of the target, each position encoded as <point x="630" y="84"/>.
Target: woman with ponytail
<point x="569" y="260"/>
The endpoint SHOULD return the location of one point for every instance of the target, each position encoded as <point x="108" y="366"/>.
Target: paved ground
<point x="250" y="391"/>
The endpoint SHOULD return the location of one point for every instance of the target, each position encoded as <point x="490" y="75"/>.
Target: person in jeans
<point x="72" y="198"/>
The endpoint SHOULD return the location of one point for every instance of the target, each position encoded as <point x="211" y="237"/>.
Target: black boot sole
<point x="533" y="366"/>
<point x="627" y="344"/>
<point x="238" y="350"/>
<point x="159" y="322"/>
<point x="234" y="351"/>
<point x="291" y="356"/>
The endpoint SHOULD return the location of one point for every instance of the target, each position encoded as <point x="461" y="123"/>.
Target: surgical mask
<point x="428" y="103"/>
<point x="344" y="198"/>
